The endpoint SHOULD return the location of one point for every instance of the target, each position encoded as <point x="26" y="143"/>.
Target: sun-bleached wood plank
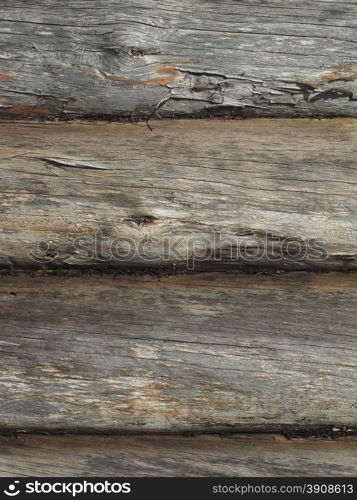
<point x="205" y="194"/>
<point x="210" y="352"/>
<point x="183" y="58"/>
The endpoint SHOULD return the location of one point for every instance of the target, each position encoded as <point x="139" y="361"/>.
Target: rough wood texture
<point x="182" y="57"/>
<point x="184" y="353"/>
<point x="159" y="456"/>
<point x="264" y="187"/>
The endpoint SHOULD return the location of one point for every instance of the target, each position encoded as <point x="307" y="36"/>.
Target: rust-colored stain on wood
<point x="172" y="74"/>
<point x="335" y="73"/>
<point x="20" y="111"/>
<point x="344" y="72"/>
<point x="5" y="76"/>
<point x="168" y="71"/>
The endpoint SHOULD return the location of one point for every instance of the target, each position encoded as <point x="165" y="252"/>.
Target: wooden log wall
<point x="178" y="284"/>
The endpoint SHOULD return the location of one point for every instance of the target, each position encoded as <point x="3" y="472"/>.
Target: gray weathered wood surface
<point x="205" y="352"/>
<point x="158" y="456"/>
<point x="180" y="57"/>
<point x="265" y="187"/>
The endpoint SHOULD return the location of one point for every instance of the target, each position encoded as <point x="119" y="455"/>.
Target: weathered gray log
<point x="203" y="194"/>
<point x="159" y="456"/>
<point x="208" y="352"/>
<point x="178" y="57"/>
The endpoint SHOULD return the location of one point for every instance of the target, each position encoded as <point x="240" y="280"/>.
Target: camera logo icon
<point x="12" y="489"/>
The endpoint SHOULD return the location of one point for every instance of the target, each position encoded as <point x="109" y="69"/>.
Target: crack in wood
<point x="68" y="162"/>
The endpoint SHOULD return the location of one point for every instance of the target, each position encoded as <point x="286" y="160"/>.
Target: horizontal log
<point x="176" y="456"/>
<point x="196" y="194"/>
<point x="208" y="352"/>
<point x="114" y="58"/>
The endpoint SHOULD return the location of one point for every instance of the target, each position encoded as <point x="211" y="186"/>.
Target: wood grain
<point x="203" y="194"/>
<point x="160" y="456"/>
<point x="182" y="58"/>
<point x="209" y="352"/>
